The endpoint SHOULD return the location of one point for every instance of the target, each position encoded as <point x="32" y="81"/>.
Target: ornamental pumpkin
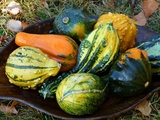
<point x="130" y="74"/>
<point x="28" y="67"/>
<point x="125" y="27"/>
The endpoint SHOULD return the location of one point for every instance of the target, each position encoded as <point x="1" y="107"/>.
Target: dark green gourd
<point x="74" y="22"/>
<point x="130" y="74"/>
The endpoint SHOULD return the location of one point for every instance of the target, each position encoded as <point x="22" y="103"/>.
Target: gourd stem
<point x="65" y="20"/>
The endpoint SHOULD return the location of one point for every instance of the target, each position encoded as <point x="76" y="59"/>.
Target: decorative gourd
<point x="152" y="47"/>
<point x="96" y="53"/>
<point x="81" y="93"/>
<point x="74" y="22"/>
<point x="28" y="67"/>
<point x="58" y="47"/>
<point x="125" y="27"/>
<point x="130" y="74"/>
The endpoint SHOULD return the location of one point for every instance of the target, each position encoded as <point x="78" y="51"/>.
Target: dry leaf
<point x="14" y="103"/>
<point x="149" y="7"/>
<point x="3" y="39"/>
<point x="8" y="109"/>
<point x="144" y="107"/>
<point x="140" y="19"/>
<point x="14" y="25"/>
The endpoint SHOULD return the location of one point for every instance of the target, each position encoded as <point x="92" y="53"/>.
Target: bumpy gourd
<point x="130" y="74"/>
<point x="28" y="67"/>
<point x="125" y="27"/>
<point x="81" y="93"/>
<point x="74" y="22"/>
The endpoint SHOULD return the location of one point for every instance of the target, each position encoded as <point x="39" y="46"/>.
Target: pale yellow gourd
<point x="28" y="67"/>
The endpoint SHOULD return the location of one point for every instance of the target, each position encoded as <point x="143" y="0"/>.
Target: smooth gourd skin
<point x="130" y="76"/>
<point x="28" y="67"/>
<point x="74" y="22"/>
<point x="81" y="93"/>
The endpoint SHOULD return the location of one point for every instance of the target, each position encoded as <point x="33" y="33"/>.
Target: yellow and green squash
<point x="81" y="93"/>
<point x="28" y="67"/>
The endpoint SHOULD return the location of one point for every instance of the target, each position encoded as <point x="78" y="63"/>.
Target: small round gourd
<point x="125" y="27"/>
<point x="81" y="93"/>
<point x="74" y="22"/>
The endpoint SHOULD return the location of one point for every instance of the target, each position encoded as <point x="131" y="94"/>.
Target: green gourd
<point x="81" y="93"/>
<point x="74" y="22"/>
<point x="130" y="74"/>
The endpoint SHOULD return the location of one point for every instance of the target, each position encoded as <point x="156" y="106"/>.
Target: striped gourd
<point x="28" y="66"/>
<point x="108" y="52"/>
<point x="152" y="47"/>
<point x="104" y="49"/>
<point x="81" y="93"/>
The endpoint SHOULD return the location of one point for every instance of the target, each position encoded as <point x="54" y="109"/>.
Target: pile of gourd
<point x="83" y="60"/>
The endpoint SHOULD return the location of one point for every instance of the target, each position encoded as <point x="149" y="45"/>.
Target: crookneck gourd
<point x="28" y="67"/>
<point x="125" y="27"/>
<point x="61" y="48"/>
<point x="96" y="53"/>
<point x="130" y="74"/>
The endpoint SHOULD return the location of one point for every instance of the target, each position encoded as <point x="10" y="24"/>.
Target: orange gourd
<point x="125" y="27"/>
<point x="61" y="48"/>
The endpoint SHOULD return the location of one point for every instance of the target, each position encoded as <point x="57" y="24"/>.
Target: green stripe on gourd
<point x="28" y="66"/>
<point x="84" y="51"/>
<point x="109" y="50"/>
<point x="152" y="47"/>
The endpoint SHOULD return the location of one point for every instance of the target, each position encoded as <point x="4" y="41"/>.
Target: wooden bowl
<point x="113" y="105"/>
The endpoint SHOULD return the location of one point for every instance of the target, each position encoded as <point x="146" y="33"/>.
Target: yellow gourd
<point x="28" y="67"/>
